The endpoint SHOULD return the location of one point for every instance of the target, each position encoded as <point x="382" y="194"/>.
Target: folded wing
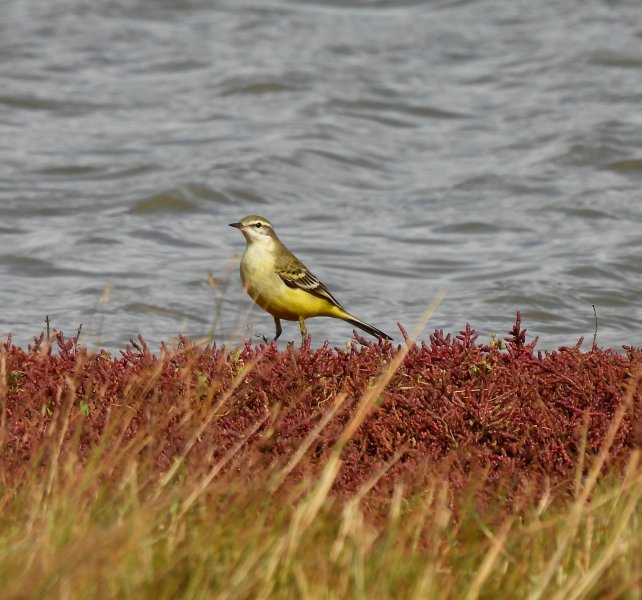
<point x="297" y="276"/>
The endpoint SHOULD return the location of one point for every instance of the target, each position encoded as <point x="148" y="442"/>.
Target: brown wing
<point x="296" y="276"/>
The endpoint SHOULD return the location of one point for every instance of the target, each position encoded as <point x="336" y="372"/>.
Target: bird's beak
<point x="237" y="225"/>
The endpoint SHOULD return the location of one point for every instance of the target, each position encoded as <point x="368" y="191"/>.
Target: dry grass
<point x="169" y="486"/>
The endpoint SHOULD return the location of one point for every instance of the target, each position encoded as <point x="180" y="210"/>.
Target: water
<point x="489" y="148"/>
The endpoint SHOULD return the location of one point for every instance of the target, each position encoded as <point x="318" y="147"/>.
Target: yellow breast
<point x="269" y="291"/>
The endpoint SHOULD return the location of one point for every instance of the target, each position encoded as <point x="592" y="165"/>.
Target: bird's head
<point x="255" y="228"/>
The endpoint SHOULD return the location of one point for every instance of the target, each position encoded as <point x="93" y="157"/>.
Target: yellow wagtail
<point x="282" y="285"/>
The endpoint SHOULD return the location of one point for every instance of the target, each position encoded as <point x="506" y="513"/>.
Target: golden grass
<point x="76" y="538"/>
<point x="109" y="525"/>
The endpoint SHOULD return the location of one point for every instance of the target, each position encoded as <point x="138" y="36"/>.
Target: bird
<point x="282" y="285"/>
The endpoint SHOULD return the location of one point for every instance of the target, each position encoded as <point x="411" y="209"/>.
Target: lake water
<point x="492" y="149"/>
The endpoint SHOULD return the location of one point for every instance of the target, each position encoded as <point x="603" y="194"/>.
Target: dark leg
<point x="277" y="324"/>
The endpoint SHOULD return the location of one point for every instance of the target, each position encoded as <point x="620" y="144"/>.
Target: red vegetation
<point x="455" y="406"/>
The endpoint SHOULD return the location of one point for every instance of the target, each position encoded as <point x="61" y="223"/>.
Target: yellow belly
<point x="292" y="304"/>
<point x="269" y="291"/>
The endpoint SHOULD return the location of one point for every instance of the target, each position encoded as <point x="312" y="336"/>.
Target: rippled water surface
<point x="489" y="148"/>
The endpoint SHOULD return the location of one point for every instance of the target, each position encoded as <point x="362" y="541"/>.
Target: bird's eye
<point x="257" y="225"/>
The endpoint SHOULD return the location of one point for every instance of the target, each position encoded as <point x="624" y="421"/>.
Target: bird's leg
<point x="277" y="325"/>
<point x="303" y="328"/>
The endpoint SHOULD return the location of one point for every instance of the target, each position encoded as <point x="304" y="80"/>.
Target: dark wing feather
<point x="296" y="276"/>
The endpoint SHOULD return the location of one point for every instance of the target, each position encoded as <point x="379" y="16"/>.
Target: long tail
<point x="365" y="326"/>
